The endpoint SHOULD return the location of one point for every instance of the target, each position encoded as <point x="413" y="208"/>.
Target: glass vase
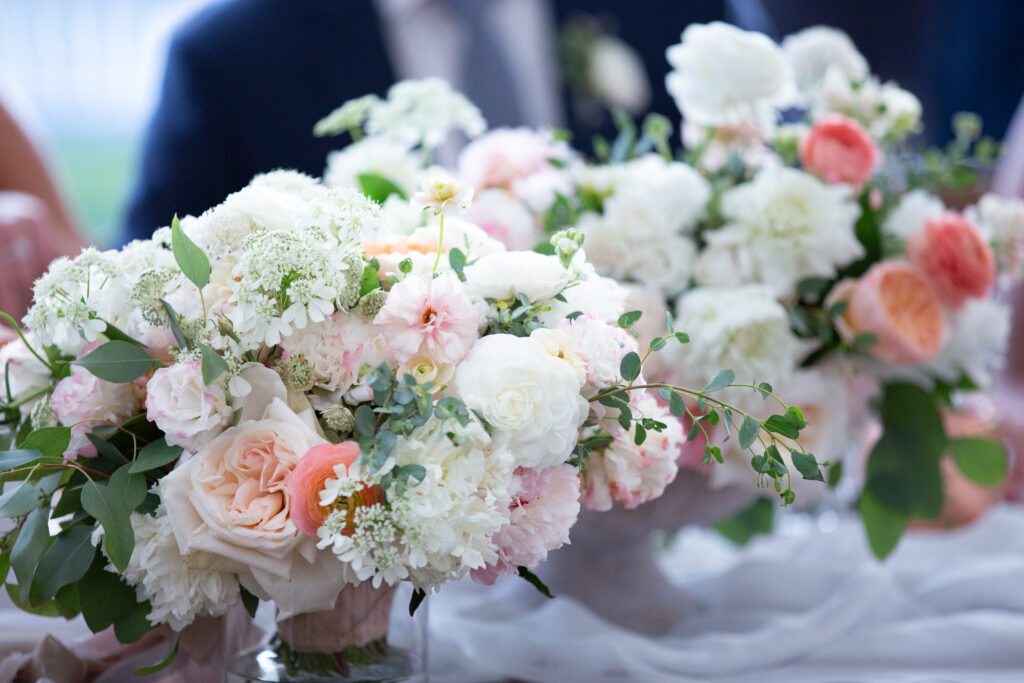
<point x="368" y="637"/>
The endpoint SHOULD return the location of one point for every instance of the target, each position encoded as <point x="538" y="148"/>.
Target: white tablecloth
<point x="809" y="606"/>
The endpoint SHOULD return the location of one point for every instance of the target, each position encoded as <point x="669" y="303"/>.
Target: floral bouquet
<point x="296" y="398"/>
<point x="814" y="258"/>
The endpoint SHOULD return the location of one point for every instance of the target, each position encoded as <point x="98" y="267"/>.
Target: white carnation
<point x="179" y="587"/>
<point x="530" y="398"/>
<point x="783" y="226"/>
<point x="743" y="329"/>
<point x="723" y="75"/>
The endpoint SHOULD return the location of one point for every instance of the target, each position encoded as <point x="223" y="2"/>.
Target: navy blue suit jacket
<point x="246" y="80"/>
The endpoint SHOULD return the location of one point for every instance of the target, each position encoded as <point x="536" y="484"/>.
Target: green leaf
<point x="105" y="598"/>
<point x="135" y="625"/>
<point x="250" y="601"/>
<point x="807" y="466"/>
<point x="723" y="379"/>
<point x="191" y="259"/>
<point x="112" y="504"/>
<point x="10" y="460"/>
<point x="630" y="366"/>
<point x="163" y="663"/>
<point x="884" y="525"/>
<point x="51" y="442"/>
<point x="535" y="581"/>
<point x="981" y="460"/>
<point x="116" y="361"/>
<point x="19" y="500"/>
<point x="213" y="364"/>
<point x="33" y="538"/>
<point x="418" y="596"/>
<point x="378" y="188"/>
<point x="106" y="450"/>
<point x="630" y="318"/>
<point x="66" y="561"/>
<point x="113" y="333"/>
<point x="676" y="405"/>
<point x="172" y="317"/>
<point x="457" y="260"/>
<point x="780" y="425"/>
<point x="749" y="431"/>
<point x="366" y="421"/>
<point x="639" y="435"/>
<point x="153" y="455"/>
<point x="765" y="389"/>
<point x="755" y="519"/>
<point x="369" y="281"/>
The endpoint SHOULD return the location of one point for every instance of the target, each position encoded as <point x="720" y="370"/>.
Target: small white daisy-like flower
<point x="443" y="194"/>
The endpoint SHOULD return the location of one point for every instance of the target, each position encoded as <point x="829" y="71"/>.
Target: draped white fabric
<point x="812" y="606"/>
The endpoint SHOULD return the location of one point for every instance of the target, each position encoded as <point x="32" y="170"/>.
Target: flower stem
<point x="440" y="242"/>
<point x="17" y="329"/>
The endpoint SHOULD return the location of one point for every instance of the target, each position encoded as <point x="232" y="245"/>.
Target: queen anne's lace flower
<point x="423" y="112"/>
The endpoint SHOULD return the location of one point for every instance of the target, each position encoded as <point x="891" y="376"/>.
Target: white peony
<point x="504" y="275"/>
<point x="179" y="587"/>
<point x="781" y="227"/>
<point x="601" y="346"/>
<point x="723" y="75"/>
<point x="186" y="410"/>
<point x="812" y="51"/>
<point x="531" y="399"/>
<point x="910" y="215"/>
<point x="743" y="329"/>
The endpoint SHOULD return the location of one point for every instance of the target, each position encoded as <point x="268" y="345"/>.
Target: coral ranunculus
<point x="307" y="480"/>
<point x="954" y="255"/>
<point x="895" y="302"/>
<point x="839" y="150"/>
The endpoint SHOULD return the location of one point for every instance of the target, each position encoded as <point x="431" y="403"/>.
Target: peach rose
<point x="895" y="302"/>
<point x="839" y="150"/>
<point x="955" y="257"/>
<point x="307" y="480"/>
<point x="230" y="499"/>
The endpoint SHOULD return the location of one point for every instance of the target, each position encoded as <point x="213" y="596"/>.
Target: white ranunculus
<point x="504" y="275"/>
<point x="617" y="75"/>
<point x="812" y="51"/>
<point x="186" y="410"/>
<point x="722" y="75"/>
<point x="781" y="227"/>
<point x="910" y="215"/>
<point x="743" y="329"/>
<point x="530" y="398"/>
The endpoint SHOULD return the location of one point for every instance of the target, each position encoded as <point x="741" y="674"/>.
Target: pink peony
<point x="955" y="257"/>
<point x="505" y="219"/>
<point x="545" y="505"/>
<point x="84" y="402"/>
<point x="839" y="150"/>
<point x="895" y="302"/>
<point x="306" y="482"/>
<point x="505" y="157"/>
<point x="429" y="317"/>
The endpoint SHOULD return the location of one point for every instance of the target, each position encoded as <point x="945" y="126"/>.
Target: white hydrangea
<point x="909" y="216"/>
<point x="812" y="51"/>
<point x="423" y="112"/>
<point x="179" y="587"/>
<point x="641" y="233"/>
<point x="76" y="298"/>
<point x="743" y="329"/>
<point x="781" y="227"/>
<point x="381" y="156"/>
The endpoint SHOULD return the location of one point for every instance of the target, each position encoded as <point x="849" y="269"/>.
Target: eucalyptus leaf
<point x="630" y="366"/>
<point x="116" y="361"/>
<point x="884" y="525"/>
<point x="32" y="541"/>
<point x="65" y="561"/>
<point x="720" y="381"/>
<point x="191" y="259"/>
<point x="981" y="460"/>
<point x="153" y="455"/>
<point x="111" y="504"/>
<point x="213" y="364"/>
<point x="51" y="442"/>
<point x="749" y="431"/>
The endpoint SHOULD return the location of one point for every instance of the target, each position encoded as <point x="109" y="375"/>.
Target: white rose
<point x="504" y="275"/>
<point x="617" y="75"/>
<point x="530" y="398"/>
<point x="723" y="75"/>
<point x="188" y="412"/>
<point x="560" y="344"/>
<point x="602" y="347"/>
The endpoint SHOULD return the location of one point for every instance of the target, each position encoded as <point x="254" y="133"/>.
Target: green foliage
<point x="33" y="540"/>
<point x="629" y="367"/>
<point x="378" y="188"/>
<point x="720" y="381"/>
<point x="981" y="460"/>
<point x="191" y="259"/>
<point x="757" y="518"/>
<point x="534" y="581"/>
<point x="749" y="431"/>
<point x="163" y="663"/>
<point x="457" y="260"/>
<point x="249" y="601"/>
<point x="884" y="524"/>
<point x="213" y="364"/>
<point x="50" y="442"/>
<point x="111" y="504"/>
<point x="154" y="455"/>
<point x="172" y="320"/>
<point x="116" y="361"/>
<point x="65" y="562"/>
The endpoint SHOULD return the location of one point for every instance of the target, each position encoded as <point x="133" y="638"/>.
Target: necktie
<point x="488" y="78"/>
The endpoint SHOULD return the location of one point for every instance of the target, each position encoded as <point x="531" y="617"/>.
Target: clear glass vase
<point x="368" y="637"/>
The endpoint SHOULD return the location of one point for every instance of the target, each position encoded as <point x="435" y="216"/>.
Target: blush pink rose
<point x="306" y="482"/>
<point x="896" y="303"/>
<point x="230" y="498"/>
<point x="839" y="150"/>
<point x="84" y="402"/>
<point x="957" y="259"/>
<point x="430" y="317"/>
<point x="188" y="411"/>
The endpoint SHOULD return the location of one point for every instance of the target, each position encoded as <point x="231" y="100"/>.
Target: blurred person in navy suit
<point x="246" y="79"/>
